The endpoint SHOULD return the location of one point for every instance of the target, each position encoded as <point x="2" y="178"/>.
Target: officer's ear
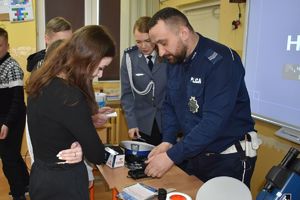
<point x="184" y="32"/>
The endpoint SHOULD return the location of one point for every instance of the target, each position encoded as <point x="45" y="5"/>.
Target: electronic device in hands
<point x="137" y="173"/>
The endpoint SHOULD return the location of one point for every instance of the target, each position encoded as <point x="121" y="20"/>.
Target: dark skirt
<point x="58" y="182"/>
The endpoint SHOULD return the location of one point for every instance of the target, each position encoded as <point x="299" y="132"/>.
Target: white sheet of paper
<point x="114" y="114"/>
<point x="138" y="191"/>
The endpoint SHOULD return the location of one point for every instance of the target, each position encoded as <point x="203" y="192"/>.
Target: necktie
<point x="150" y="63"/>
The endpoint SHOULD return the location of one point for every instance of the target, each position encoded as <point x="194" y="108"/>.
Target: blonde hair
<point x="141" y="24"/>
<point x="57" y="24"/>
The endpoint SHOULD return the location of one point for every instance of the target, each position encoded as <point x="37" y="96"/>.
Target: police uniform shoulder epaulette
<point x="130" y="49"/>
<point x="213" y="56"/>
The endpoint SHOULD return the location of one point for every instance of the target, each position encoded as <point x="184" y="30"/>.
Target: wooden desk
<point x="174" y="178"/>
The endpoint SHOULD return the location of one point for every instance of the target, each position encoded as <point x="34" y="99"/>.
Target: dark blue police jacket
<point x="207" y="100"/>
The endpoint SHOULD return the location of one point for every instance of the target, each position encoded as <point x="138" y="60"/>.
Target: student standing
<point x="12" y="120"/>
<point x="143" y="81"/>
<point x="207" y="99"/>
<point x="58" y="28"/>
<point x="60" y="106"/>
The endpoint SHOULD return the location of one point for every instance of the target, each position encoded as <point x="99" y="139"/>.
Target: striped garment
<point x="11" y="74"/>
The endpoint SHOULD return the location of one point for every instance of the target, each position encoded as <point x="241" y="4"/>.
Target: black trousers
<point x="155" y="138"/>
<point x="14" y="167"/>
<point x="58" y="182"/>
<point x="208" y="166"/>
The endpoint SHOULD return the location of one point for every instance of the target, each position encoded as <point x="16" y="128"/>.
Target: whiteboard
<point x="272" y="61"/>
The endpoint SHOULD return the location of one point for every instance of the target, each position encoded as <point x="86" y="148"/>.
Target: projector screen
<point x="272" y="61"/>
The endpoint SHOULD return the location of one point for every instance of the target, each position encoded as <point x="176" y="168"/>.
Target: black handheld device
<point x="137" y="173"/>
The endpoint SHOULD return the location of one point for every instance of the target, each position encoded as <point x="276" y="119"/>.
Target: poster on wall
<point x="4" y="10"/>
<point x="20" y="10"/>
<point x="4" y="6"/>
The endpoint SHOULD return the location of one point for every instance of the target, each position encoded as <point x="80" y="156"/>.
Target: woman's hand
<point x="72" y="155"/>
<point x="100" y="118"/>
<point x="4" y="132"/>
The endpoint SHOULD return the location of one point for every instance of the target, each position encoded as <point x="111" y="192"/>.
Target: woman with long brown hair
<point x="61" y="102"/>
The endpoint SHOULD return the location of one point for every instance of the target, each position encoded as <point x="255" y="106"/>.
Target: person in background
<point x="207" y="100"/>
<point x="12" y="121"/>
<point x="57" y="28"/>
<point x="143" y="82"/>
<point x="52" y="47"/>
<point x="60" y="106"/>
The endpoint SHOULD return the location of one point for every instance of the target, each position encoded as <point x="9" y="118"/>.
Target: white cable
<point x="151" y="84"/>
<point x="244" y="171"/>
<point x="244" y="161"/>
<point x="231" y="53"/>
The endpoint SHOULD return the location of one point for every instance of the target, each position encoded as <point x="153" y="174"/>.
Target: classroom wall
<point x="228" y="36"/>
<point x="22" y="41"/>
<point x="273" y="149"/>
<point x="228" y="13"/>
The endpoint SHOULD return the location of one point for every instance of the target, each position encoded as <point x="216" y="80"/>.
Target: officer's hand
<point x="163" y="147"/>
<point x="133" y="133"/>
<point x="158" y="165"/>
<point x="4" y="132"/>
<point x="72" y="155"/>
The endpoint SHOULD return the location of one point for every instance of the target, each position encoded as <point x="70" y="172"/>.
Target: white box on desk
<point x="114" y="157"/>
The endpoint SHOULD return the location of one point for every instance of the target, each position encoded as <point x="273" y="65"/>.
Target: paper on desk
<point x="137" y="192"/>
<point x="113" y="114"/>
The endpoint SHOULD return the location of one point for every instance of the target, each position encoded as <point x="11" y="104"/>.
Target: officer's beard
<point x="178" y="57"/>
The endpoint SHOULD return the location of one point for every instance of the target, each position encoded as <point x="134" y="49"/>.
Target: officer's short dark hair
<point x="170" y="16"/>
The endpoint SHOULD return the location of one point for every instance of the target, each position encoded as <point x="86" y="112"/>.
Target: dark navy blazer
<point x="207" y="100"/>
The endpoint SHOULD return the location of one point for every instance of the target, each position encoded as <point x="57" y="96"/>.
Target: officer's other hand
<point x="163" y="147"/>
<point x="72" y="155"/>
<point x="158" y="165"/>
<point x="4" y="132"/>
<point x="133" y="133"/>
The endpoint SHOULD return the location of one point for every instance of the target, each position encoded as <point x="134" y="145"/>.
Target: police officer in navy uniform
<point x="206" y="99"/>
<point x="143" y="81"/>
